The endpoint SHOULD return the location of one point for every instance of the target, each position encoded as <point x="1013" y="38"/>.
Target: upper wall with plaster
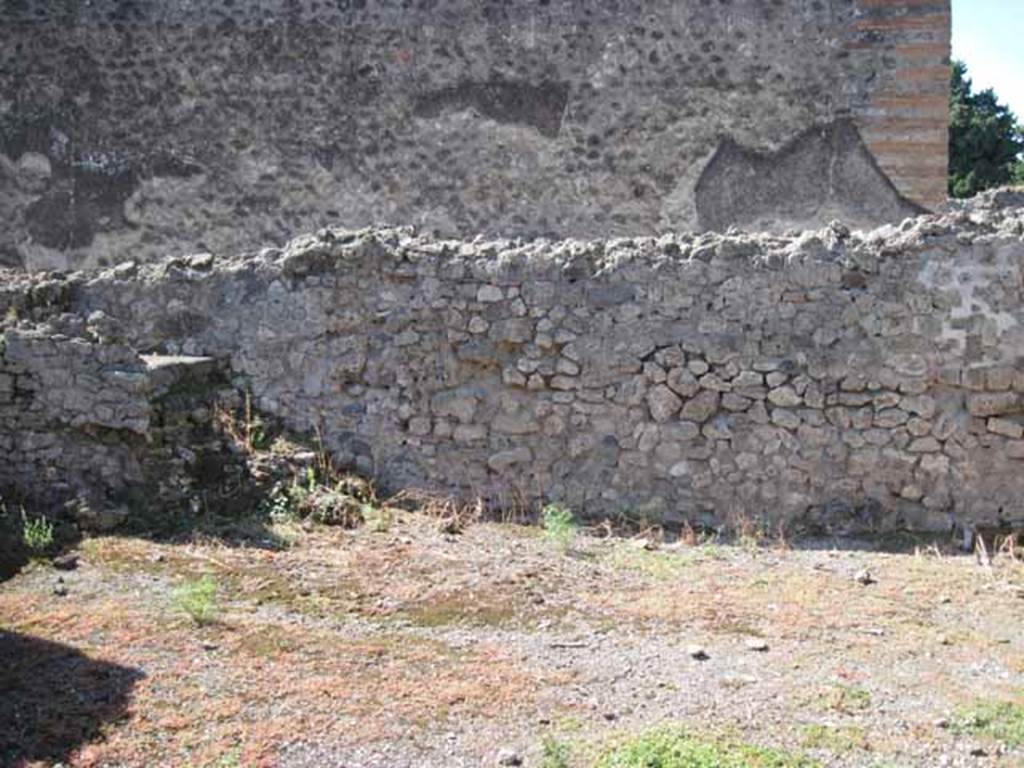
<point x="162" y="127"/>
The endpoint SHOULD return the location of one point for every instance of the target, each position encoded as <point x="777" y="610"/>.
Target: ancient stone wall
<point x="161" y="127"/>
<point x="834" y="379"/>
<point x="93" y="432"/>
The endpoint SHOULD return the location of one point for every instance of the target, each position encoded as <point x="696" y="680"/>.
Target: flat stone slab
<point x="167" y="371"/>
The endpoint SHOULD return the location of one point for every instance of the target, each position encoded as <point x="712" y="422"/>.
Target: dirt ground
<point x="403" y="645"/>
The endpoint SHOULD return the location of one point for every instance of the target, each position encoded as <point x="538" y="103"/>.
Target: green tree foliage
<point x="986" y="143"/>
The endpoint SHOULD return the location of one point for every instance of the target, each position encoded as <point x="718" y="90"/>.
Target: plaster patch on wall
<point x="825" y="172"/>
<point x="972" y="281"/>
<point x="679" y="207"/>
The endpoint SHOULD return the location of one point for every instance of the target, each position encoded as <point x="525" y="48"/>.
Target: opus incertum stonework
<point x="845" y="380"/>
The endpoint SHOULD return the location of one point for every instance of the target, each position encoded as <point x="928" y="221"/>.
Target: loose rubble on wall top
<point x="996" y="213"/>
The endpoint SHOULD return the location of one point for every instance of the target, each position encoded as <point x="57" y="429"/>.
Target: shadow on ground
<point x="54" y="699"/>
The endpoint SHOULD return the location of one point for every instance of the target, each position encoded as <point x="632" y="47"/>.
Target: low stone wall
<point x="847" y="381"/>
<point x="92" y="430"/>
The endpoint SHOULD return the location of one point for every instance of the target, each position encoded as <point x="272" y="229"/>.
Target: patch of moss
<point x="1001" y="721"/>
<point x="662" y="566"/>
<point x="555" y="753"/>
<point x="467" y="609"/>
<point x="674" y="747"/>
<point x="847" y="699"/>
<point x="838" y="739"/>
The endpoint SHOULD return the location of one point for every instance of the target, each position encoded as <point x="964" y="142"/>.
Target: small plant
<point x="278" y="505"/>
<point x="377" y="519"/>
<point x="847" y="699"/>
<point x="36" y="534"/>
<point x="331" y="506"/>
<point x="750" y="533"/>
<point x="326" y="499"/>
<point x="554" y="753"/>
<point x="559" y="525"/>
<point x="197" y="599"/>
<point x="1002" y="721"/>
<point x="247" y="430"/>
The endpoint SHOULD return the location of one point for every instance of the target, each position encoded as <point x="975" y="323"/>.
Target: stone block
<point x="993" y="403"/>
<point x="505" y="460"/>
<point x="784" y="397"/>
<point x="1005" y="427"/>
<point x="663" y="403"/>
<point x="702" y="407"/>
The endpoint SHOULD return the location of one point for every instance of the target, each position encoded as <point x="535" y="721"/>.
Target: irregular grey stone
<point x="1006" y="427"/>
<point x="488" y="294"/>
<point x="785" y="419"/>
<point x="515" y="424"/>
<point x="663" y="402"/>
<point x="700" y="408"/>
<point x="682" y="382"/>
<point x="785" y="397"/>
<point x="505" y="460"/>
<point x="993" y="403"/>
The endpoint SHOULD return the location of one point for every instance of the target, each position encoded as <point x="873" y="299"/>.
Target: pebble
<point x="646" y="544"/>
<point x="68" y="562"/>
<point x="697" y="652"/>
<point x="863" y="576"/>
<point x="507" y="756"/>
<point x="758" y="644"/>
<point x="738" y="680"/>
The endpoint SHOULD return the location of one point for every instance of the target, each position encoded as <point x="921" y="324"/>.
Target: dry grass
<point x="252" y="683"/>
<point x="352" y="633"/>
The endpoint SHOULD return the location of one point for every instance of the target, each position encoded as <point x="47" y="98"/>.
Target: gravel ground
<point x="415" y="647"/>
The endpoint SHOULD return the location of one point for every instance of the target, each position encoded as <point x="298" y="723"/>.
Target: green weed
<point x="344" y="501"/>
<point x="197" y="598"/>
<point x="847" y="699"/>
<point x="36" y="534"/>
<point x="278" y="505"/>
<point x="1002" y="721"/>
<point x="559" y="525"/>
<point x="555" y="753"/>
<point x="377" y="519"/>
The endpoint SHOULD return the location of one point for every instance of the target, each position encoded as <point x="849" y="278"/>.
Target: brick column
<point x="906" y="121"/>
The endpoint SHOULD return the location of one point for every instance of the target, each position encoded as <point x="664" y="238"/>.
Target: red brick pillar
<point x="906" y="121"/>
